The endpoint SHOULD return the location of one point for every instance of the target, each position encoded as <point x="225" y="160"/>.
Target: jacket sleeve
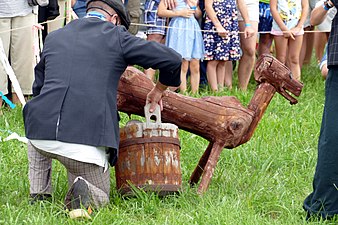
<point x="137" y="51"/>
<point x="39" y="76"/>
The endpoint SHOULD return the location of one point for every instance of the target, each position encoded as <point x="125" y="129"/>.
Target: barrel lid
<point x="135" y="128"/>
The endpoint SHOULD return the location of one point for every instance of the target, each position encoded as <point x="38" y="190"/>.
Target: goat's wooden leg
<point x="206" y="166"/>
<point x="195" y="176"/>
<point x="210" y="166"/>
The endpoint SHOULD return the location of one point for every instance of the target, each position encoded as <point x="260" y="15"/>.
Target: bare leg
<point x="184" y="69"/>
<point x="281" y="44"/>
<point x="247" y="61"/>
<point x="15" y="98"/>
<point x="307" y="46"/>
<point x="194" y="75"/>
<point x="228" y="74"/>
<point x="211" y="74"/>
<point x="265" y="42"/>
<point x="157" y="38"/>
<point x="320" y="42"/>
<point x="220" y="74"/>
<point x="293" y="56"/>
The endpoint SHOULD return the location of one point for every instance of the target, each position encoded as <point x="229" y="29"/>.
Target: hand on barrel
<point x="154" y="97"/>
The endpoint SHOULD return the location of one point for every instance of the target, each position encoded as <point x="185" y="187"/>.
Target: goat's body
<point x="223" y="121"/>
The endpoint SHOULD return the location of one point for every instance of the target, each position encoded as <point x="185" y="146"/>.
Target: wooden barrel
<point x="149" y="157"/>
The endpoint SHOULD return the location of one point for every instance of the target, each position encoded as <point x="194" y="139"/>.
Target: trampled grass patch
<point x="261" y="182"/>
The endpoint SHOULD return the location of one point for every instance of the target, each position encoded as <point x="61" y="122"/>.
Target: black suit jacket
<point x="76" y="81"/>
<point x="332" y="50"/>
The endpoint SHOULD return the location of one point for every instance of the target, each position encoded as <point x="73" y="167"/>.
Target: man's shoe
<point x="79" y="200"/>
<point x="39" y="197"/>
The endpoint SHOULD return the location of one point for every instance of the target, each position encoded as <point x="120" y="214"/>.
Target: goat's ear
<point x="286" y="95"/>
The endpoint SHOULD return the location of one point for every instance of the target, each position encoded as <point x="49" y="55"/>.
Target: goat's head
<point x="268" y="69"/>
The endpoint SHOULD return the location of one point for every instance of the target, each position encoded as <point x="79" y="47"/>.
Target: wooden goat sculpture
<point x="221" y="120"/>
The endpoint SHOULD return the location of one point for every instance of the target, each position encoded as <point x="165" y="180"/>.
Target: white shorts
<point x="325" y="26"/>
<point x="253" y="10"/>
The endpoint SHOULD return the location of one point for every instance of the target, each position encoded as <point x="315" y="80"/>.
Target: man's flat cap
<point x="119" y="8"/>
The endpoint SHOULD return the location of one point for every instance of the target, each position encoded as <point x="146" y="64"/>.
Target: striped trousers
<point x="40" y="175"/>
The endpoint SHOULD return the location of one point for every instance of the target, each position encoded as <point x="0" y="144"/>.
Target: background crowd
<point x="214" y="37"/>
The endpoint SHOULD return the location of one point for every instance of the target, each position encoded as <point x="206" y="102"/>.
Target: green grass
<point x="261" y="182"/>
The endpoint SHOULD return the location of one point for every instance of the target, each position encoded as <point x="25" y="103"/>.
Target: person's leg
<point x="321" y="39"/>
<point x="264" y="26"/>
<point x="307" y="46"/>
<point x="71" y="178"/>
<point x="155" y="30"/>
<point x="22" y="54"/>
<point x="323" y="201"/>
<point x="264" y="45"/>
<point x="293" y="56"/>
<point x="5" y="25"/>
<point x="133" y="7"/>
<point x="157" y="38"/>
<point x="184" y="70"/>
<point x="212" y="75"/>
<point x="97" y="179"/>
<point x="228" y="74"/>
<point x="220" y="73"/>
<point x="194" y="75"/>
<point x="5" y="34"/>
<point x="281" y="45"/>
<point x="58" y="22"/>
<point x="203" y="73"/>
<point x="247" y="61"/>
<point x="39" y="172"/>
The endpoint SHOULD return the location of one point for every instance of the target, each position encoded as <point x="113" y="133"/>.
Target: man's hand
<point x="154" y="97"/>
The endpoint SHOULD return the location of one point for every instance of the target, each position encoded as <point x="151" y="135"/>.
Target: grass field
<point x="261" y="182"/>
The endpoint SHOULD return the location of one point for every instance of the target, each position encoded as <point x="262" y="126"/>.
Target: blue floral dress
<point x="217" y="47"/>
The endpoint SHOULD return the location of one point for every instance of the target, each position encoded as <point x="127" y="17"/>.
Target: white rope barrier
<point x="214" y="31"/>
<point x="74" y="16"/>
